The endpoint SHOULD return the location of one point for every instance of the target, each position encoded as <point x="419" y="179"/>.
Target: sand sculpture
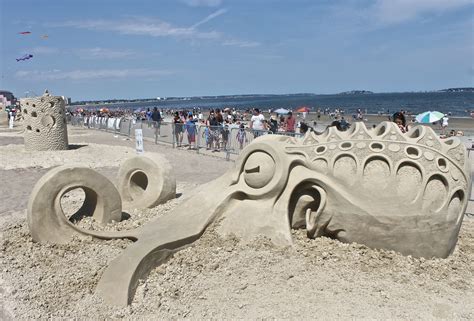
<point x="44" y="123"/>
<point x="404" y="192"/>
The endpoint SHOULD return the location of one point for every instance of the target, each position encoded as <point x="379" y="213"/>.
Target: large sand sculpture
<point x="44" y="122"/>
<point x="404" y="192"/>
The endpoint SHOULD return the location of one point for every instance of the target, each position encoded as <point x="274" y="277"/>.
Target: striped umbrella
<point x="429" y="117"/>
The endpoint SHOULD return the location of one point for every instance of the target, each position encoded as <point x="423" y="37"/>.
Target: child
<point x="207" y="136"/>
<point x="191" y="130"/>
<point x="225" y="137"/>
<point x="241" y="136"/>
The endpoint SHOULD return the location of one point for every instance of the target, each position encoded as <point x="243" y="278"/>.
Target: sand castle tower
<point x="44" y="122"/>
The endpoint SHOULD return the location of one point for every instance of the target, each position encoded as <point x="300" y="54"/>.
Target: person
<point x="399" y="119"/>
<point x="273" y="124"/>
<point x="148" y="117"/>
<point x="156" y="118"/>
<point x="344" y="124"/>
<point x="214" y="128"/>
<point x="444" y="124"/>
<point x="225" y="137"/>
<point x="304" y="128"/>
<point x="241" y="136"/>
<point x="178" y="128"/>
<point x="207" y="137"/>
<point x="256" y="122"/>
<point x="290" y="123"/>
<point x="191" y="130"/>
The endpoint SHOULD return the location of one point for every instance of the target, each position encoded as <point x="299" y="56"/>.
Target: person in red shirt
<point x="290" y="123"/>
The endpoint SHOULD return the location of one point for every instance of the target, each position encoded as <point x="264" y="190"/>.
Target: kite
<point x="25" y="57"/>
<point x="24" y="33"/>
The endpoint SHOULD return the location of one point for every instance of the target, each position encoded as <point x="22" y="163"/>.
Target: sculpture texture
<point x="44" y="123"/>
<point x="404" y="192"/>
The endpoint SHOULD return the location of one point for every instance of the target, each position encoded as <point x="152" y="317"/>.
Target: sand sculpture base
<point x="378" y="187"/>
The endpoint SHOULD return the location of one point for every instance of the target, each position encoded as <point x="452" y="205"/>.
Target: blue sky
<point x="100" y="49"/>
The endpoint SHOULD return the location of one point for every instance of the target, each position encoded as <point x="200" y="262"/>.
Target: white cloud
<point x="209" y="17"/>
<point x="101" y="53"/>
<point x="141" y="26"/>
<point x="240" y="43"/>
<point x="398" y="11"/>
<point x="202" y="3"/>
<point x="89" y="74"/>
<point x="44" y="50"/>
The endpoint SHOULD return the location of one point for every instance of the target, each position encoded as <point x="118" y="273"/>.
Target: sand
<point x="216" y="277"/>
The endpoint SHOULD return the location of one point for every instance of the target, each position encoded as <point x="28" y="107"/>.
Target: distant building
<point x="67" y="100"/>
<point x="6" y="99"/>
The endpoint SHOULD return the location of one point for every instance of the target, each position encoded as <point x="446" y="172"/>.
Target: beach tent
<point x="429" y="117"/>
<point x="281" y="111"/>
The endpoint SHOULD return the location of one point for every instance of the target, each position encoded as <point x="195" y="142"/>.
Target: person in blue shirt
<point x="190" y="126"/>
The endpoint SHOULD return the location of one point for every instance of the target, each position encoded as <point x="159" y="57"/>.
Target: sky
<point x="105" y="49"/>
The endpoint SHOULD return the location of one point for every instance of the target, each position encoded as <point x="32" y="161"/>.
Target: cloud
<point x="202" y="3"/>
<point x="240" y="43"/>
<point x="57" y="74"/>
<point x="101" y="53"/>
<point x="398" y="11"/>
<point x="157" y="28"/>
<point x="141" y="26"/>
<point x="44" y="50"/>
<point x="209" y="18"/>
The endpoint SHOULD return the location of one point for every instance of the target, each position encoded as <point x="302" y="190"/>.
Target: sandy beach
<point x="216" y="277"/>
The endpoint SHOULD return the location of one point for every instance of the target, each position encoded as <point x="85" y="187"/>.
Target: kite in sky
<point x="24" y="32"/>
<point x="25" y="57"/>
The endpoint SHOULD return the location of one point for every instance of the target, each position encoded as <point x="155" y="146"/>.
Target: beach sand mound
<point x="226" y="278"/>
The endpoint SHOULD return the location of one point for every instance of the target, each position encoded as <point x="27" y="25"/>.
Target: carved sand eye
<point x="259" y="169"/>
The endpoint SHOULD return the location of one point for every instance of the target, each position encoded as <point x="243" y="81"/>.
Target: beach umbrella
<point x="303" y="109"/>
<point x="281" y="111"/>
<point x="429" y="117"/>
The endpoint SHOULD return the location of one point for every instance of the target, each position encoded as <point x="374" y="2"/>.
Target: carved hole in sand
<point x="413" y="152"/>
<point x="345" y="168"/>
<point x="442" y="164"/>
<point x="138" y="184"/>
<point x="415" y="133"/>
<point x="28" y="127"/>
<point x="435" y="193"/>
<point x="37" y="130"/>
<point x="455" y="206"/>
<point x="34" y="114"/>
<point x="449" y="141"/>
<point x="381" y="130"/>
<point x="376" y="174"/>
<point x="51" y="104"/>
<point x="409" y="179"/>
<point x="48" y="121"/>
<point x="377" y="147"/>
<point x="25" y="111"/>
<point x="72" y="201"/>
<point x="320" y="149"/>
<point x="34" y="105"/>
<point x="345" y="145"/>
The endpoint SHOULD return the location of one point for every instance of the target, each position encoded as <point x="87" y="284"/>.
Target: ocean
<point x="456" y="103"/>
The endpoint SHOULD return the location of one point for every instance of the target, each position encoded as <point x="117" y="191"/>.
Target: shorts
<point x="191" y="138"/>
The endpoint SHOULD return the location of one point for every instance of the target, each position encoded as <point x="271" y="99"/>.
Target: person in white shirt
<point x="444" y="124"/>
<point x="257" y="122"/>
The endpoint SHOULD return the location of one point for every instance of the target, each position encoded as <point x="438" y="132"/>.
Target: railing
<point x="197" y="136"/>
